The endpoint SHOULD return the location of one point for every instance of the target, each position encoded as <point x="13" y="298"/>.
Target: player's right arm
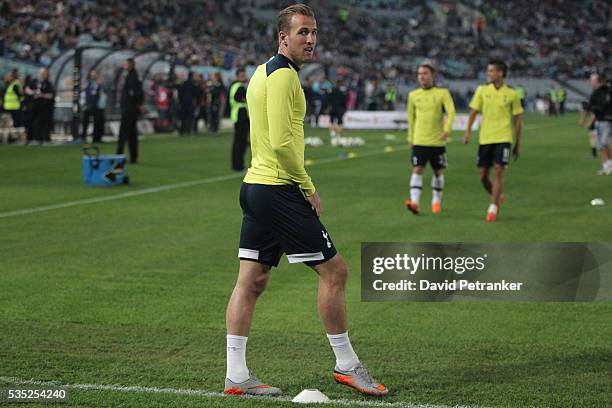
<point x="476" y="106"/>
<point x="411" y="120"/>
<point x="280" y="88"/>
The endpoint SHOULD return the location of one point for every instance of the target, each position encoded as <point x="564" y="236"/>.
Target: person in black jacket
<point x="131" y="102"/>
<point x="44" y="102"/>
<point x="188" y="95"/>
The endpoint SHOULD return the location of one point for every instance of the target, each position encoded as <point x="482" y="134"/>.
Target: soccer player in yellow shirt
<point x="281" y="210"/>
<point x="500" y="106"/>
<point x="428" y="134"/>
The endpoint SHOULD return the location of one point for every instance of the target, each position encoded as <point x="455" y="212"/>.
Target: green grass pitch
<point x="132" y="291"/>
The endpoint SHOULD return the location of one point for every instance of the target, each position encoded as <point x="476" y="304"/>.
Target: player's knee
<point x="259" y="284"/>
<point x="339" y="275"/>
<point x="484" y="178"/>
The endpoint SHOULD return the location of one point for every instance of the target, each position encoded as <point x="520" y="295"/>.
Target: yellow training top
<point x="425" y="116"/>
<point x="277" y="107"/>
<point x="497" y="106"/>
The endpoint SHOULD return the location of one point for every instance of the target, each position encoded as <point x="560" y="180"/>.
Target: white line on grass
<point x="120" y="195"/>
<point x="27" y="211"/>
<point x="208" y="394"/>
<point x="209" y="180"/>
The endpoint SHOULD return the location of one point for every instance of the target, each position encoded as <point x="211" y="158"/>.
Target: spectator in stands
<point x="539" y="36"/>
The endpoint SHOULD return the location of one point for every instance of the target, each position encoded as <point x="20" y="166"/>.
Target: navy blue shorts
<point x="498" y="153"/>
<point x="277" y="220"/>
<point x="435" y="155"/>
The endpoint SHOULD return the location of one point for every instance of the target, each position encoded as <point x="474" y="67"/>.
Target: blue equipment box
<point x="107" y="170"/>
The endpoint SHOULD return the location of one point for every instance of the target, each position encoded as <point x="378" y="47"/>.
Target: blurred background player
<point x="338" y="99"/>
<point x="585" y="120"/>
<point x="600" y="105"/>
<point x="428" y="135"/>
<point x="500" y="107"/>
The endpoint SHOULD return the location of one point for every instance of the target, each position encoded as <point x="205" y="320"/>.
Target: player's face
<point x="425" y="77"/>
<point x="494" y="74"/>
<point x="595" y="80"/>
<point x="301" y="39"/>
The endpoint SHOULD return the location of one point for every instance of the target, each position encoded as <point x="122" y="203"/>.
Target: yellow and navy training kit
<point x="426" y="108"/>
<point x="498" y="107"/>
<point x="277" y="220"/>
<point x="277" y="217"/>
<point x="434" y="155"/>
<point x="277" y="107"/>
<point x="498" y="153"/>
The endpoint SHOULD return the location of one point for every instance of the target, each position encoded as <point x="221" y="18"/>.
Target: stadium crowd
<point x="369" y="37"/>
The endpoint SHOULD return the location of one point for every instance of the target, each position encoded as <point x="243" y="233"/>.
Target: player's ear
<point x="282" y="38"/>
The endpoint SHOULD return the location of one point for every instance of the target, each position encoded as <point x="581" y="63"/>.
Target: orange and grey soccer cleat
<point x="491" y="216"/>
<point x="412" y="207"/>
<point x="359" y="379"/>
<point x="252" y="386"/>
<point x="436" y="208"/>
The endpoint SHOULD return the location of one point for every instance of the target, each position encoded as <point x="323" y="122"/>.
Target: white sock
<point x="607" y="165"/>
<point x="332" y="133"/>
<point x="416" y="186"/>
<point x="346" y="359"/>
<point x="437" y="185"/>
<point x="237" y="370"/>
<point x="492" y="209"/>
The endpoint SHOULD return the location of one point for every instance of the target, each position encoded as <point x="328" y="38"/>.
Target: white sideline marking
<point x="121" y="195"/>
<point x="167" y="187"/>
<point x="210" y="394"/>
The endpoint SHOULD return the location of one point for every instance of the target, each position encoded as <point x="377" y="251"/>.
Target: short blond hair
<point x="283" y="22"/>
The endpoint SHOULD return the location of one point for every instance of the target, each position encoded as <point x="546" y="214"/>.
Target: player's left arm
<point x="518" y="128"/>
<point x="591" y="121"/>
<point x="449" y="107"/>
<point x="517" y="110"/>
